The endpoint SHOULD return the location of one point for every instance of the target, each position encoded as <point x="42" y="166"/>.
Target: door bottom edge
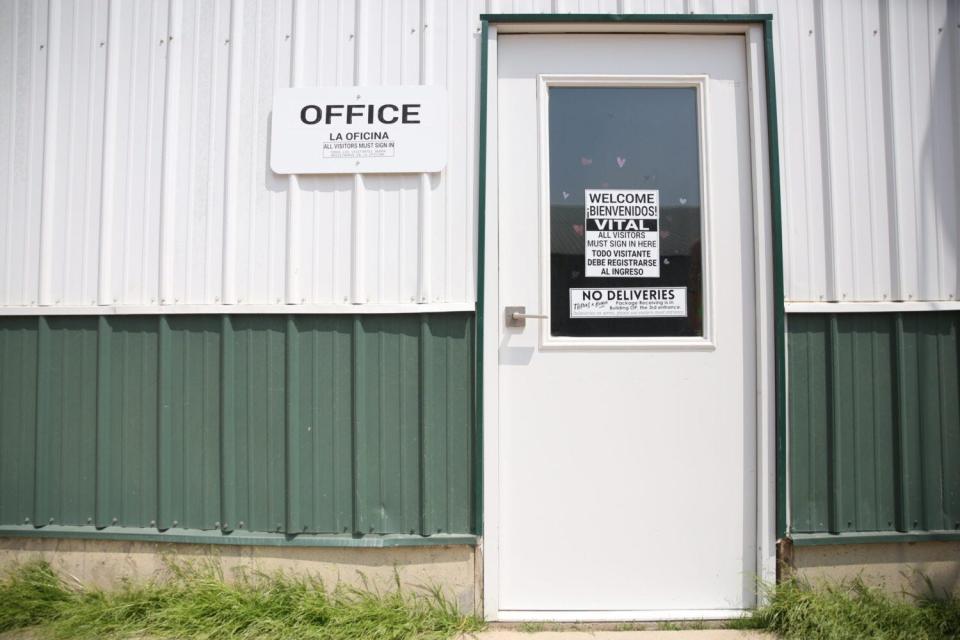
<point x="648" y="615"/>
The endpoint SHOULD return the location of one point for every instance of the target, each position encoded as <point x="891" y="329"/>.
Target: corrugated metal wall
<point x="319" y="424"/>
<point x="134" y="140"/>
<point x="868" y="97"/>
<point x="874" y="422"/>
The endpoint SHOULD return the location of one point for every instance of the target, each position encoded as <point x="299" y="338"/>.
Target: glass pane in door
<point x="625" y="212"/>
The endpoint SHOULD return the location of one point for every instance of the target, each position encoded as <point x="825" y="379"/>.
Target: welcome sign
<point x="359" y="130"/>
<point x="622" y="237"/>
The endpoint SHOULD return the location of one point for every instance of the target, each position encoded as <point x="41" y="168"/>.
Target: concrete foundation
<point x="898" y="568"/>
<point x="104" y="563"/>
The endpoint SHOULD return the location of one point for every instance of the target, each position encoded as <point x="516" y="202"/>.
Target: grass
<point x="30" y="595"/>
<point x="852" y="610"/>
<point x="195" y="602"/>
<point x="692" y="625"/>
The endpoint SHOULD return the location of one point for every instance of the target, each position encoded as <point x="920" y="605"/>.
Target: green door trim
<point x="773" y="157"/>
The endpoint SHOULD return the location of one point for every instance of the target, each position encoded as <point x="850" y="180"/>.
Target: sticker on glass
<point x="622" y="233"/>
<point x="629" y="302"/>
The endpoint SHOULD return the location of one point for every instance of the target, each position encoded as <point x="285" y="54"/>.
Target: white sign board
<point x="622" y="233"/>
<point x="630" y="302"/>
<point x="359" y="130"/>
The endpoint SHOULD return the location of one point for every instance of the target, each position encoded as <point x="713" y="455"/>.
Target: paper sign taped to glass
<point x="628" y="302"/>
<point x="621" y="233"/>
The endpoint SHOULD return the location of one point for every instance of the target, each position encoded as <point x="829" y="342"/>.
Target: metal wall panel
<point x="136" y="137"/>
<point x="18" y="418"/>
<point x="320" y="424"/>
<point x="874" y="422"/>
<point x="188" y="450"/>
<point x="23" y="56"/>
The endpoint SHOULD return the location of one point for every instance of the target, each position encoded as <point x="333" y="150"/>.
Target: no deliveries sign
<point x="631" y="302"/>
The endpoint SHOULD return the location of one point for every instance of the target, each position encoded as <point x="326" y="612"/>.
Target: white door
<point x="627" y="415"/>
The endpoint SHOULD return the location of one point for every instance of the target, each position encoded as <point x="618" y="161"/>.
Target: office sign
<point x="399" y="129"/>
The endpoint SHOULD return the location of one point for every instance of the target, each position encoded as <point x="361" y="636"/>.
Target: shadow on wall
<point x="936" y="192"/>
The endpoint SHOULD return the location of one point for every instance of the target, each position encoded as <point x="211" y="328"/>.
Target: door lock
<point x="517" y="316"/>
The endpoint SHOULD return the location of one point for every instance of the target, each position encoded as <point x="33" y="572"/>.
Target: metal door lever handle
<point x="517" y="316"/>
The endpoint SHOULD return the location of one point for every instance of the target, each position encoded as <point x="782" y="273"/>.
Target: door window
<point x="625" y="214"/>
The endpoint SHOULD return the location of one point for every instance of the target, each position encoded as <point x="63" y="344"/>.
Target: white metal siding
<point x="134" y="142"/>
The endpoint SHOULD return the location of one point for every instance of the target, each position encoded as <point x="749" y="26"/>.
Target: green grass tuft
<point x="851" y="610"/>
<point x="195" y="602"/>
<point x="30" y="594"/>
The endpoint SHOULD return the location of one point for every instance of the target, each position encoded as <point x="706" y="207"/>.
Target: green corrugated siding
<point x="874" y="422"/>
<point x="272" y="423"/>
<point x="18" y="419"/>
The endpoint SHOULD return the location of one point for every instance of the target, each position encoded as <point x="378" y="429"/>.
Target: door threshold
<point x="655" y="615"/>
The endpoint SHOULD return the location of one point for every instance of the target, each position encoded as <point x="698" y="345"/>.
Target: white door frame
<point x="766" y="304"/>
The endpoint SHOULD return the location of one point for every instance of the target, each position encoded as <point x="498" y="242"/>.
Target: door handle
<point x="517" y="316"/>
